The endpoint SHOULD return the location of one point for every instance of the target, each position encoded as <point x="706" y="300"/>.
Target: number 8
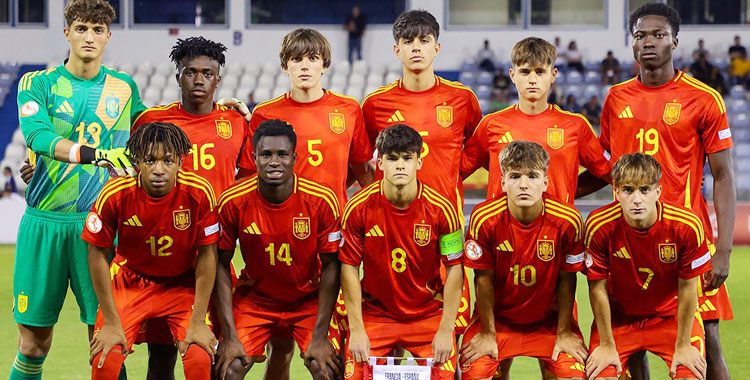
<point x="399" y="260"/>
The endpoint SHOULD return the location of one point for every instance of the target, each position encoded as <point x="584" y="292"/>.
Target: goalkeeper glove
<point x="115" y="160"/>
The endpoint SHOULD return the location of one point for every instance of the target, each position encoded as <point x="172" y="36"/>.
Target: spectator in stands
<point x="739" y="68"/>
<point x="561" y="60"/>
<point x="486" y="58"/>
<point x="700" y="49"/>
<point x="593" y="110"/>
<point x="707" y="73"/>
<point x="575" y="58"/>
<point x="571" y="104"/>
<point x="355" y="25"/>
<point x="610" y="69"/>
<point x="251" y="100"/>
<point x="737" y="50"/>
<point x="501" y="84"/>
<point x="9" y="185"/>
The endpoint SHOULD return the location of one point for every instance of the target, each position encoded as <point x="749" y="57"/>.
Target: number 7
<point x="648" y="278"/>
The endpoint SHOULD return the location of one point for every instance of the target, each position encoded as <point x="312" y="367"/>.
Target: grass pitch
<point x="68" y="358"/>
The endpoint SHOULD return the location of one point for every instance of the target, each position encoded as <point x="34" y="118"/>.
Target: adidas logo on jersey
<point x="626" y="113"/>
<point x="252" y="229"/>
<point x="707" y="306"/>
<point x="65" y="108"/>
<point x="396" y="117"/>
<point x="506" y="139"/>
<point x="505" y="246"/>
<point x="622" y="253"/>
<point x="133" y="222"/>
<point x="375" y="232"/>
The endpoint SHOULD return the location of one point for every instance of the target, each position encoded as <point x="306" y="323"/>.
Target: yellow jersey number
<point x="201" y="158"/>
<point x="283" y="255"/>
<point x="159" y="246"/>
<point x="526" y="275"/>
<point x="648" y="141"/>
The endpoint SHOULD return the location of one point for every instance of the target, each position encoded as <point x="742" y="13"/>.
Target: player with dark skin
<point x="275" y="158"/>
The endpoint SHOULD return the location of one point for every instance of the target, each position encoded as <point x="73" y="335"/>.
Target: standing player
<point x="445" y="114"/>
<point x="289" y="235"/>
<point x="217" y="135"/>
<point x="76" y="113"/>
<point x="165" y="221"/>
<point x="680" y="121"/>
<point x="644" y="257"/>
<point x="401" y="231"/>
<point x="525" y="248"/>
<point x="568" y="137"/>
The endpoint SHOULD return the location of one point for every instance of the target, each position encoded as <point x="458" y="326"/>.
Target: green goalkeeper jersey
<point x="54" y="104"/>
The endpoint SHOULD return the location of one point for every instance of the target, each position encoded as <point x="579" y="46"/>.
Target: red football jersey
<point x="568" y="138"/>
<point x="217" y="140"/>
<point x="445" y="115"/>
<point x="678" y="123"/>
<point x="399" y="250"/>
<point x="280" y="243"/>
<point x="330" y="135"/>
<point x="157" y="236"/>
<point x="643" y="266"/>
<point x="527" y="259"/>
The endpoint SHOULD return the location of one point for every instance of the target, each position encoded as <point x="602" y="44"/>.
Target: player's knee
<point x="35" y="341"/>
<point x="110" y="370"/>
<point x="196" y="357"/>
<point x="235" y="371"/>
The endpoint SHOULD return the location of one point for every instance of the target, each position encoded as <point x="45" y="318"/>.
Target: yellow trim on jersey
<point x="267" y="102"/>
<point x="198" y="179"/>
<point x="698" y="233"/>
<point x="687" y="191"/>
<point x="359" y="198"/>
<point x="454" y="84"/>
<point x="491" y="115"/>
<point x="673" y="213"/>
<point x="104" y="196"/>
<point x="440" y="201"/>
<point x="252" y="180"/>
<point x="196" y="183"/>
<point x="248" y="187"/>
<point x="108" y="186"/>
<point x="323" y="190"/>
<point x="480" y="215"/>
<point x="343" y="96"/>
<point x="567" y="213"/>
<point x="596" y="221"/>
<point x="562" y="111"/>
<point x="381" y="90"/>
<point x="156" y="108"/>
<point x="624" y="82"/>
<point x="322" y="193"/>
<point x="702" y="86"/>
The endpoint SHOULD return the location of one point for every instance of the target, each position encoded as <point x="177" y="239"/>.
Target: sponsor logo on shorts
<point x="29" y="108"/>
<point x="93" y="223"/>
<point x="668" y="253"/>
<point x="301" y="227"/>
<point x="349" y="371"/>
<point x="473" y="250"/>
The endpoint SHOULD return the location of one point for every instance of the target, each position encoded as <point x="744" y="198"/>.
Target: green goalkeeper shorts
<point x="50" y="254"/>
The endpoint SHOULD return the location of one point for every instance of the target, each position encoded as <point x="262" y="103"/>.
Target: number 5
<point x="316" y="157"/>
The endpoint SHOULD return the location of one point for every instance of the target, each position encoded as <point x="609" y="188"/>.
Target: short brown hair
<point x="524" y="155"/>
<point x="399" y="138"/>
<point x="305" y="42"/>
<point x="636" y="169"/>
<point x="533" y="51"/>
<point x="94" y="11"/>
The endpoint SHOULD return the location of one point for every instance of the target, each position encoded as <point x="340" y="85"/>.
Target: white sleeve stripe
<point x="212" y="229"/>
<point x="574" y="259"/>
<point x="701" y="260"/>
<point x="334" y="236"/>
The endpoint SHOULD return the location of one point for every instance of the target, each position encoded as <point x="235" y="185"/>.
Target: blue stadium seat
<point x="740" y="120"/>
<point x="741" y="135"/>
<point x="577" y="91"/>
<point x="591" y="90"/>
<point x="484" y="105"/>
<point x="574" y="78"/>
<point x="469" y="65"/>
<point x="484" y="92"/>
<point x="560" y="80"/>
<point x="605" y="90"/>
<point x="742" y="150"/>
<point x="737" y="92"/>
<point x="6" y="80"/>
<point x="738" y="106"/>
<point x="484" y="79"/>
<point x="467" y="78"/>
<point x="593" y="77"/>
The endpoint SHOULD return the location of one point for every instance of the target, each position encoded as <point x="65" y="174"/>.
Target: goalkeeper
<point x="76" y="119"/>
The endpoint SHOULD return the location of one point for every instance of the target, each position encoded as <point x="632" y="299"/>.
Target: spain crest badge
<point x="545" y="249"/>
<point x="112" y="106"/>
<point x="336" y="122"/>
<point x="444" y="116"/>
<point x="181" y="219"/>
<point x="555" y="137"/>
<point x="668" y="253"/>
<point x="671" y="113"/>
<point x="224" y="129"/>
<point x="422" y="233"/>
<point x="301" y="227"/>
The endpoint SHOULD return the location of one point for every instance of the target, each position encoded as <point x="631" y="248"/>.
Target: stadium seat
<point x="252" y="69"/>
<point x="6" y="80"/>
<point x="469" y="64"/>
<point x="738" y="106"/>
<point x="18" y="137"/>
<point x="141" y="81"/>
<point x="158" y="80"/>
<point x="369" y="90"/>
<point x="172" y="93"/>
<point x="342" y="68"/>
<point x="484" y="92"/>
<point x="467" y="78"/>
<point x="592" y="77"/>
<point x="339" y="89"/>
<point x="741" y="135"/>
<point x="574" y="78"/>
<point x="378" y="69"/>
<point x="484" y="79"/>
<point x="359" y="67"/>
<point x="235" y="68"/>
<point x="338" y="80"/>
<point x="396" y="67"/>
<point x="740" y="120"/>
<point x="605" y="90"/>
<point x="742" y="150"/>
<point x="484" y="105"/>
<point x="127" y="67"/>
<point x="279" y="90"/>
<point x="392" y="77"/>
<point x="589" y="91"/>
<point x="354" y="92"/>
<point x="165" y="68"/>
<point x="248" y="80"/>
<point x="560" y="79"/>
<point x="576" y="91"/>
<point x="262" y="94"/>
<point x="737" y="92"/>
<point x="145" y="68"/>
<point x="15" y="152"/>
<point x="356" y="80"/>
<point x="374" y="79"/>
<point x="267" y="80"/>
<point x="225" y="92"/>
<point x="270" y="68"/>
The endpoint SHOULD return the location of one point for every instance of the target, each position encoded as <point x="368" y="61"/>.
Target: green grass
<point x="68" y="358"/>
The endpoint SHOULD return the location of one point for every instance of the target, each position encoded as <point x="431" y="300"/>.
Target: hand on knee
<point x="110" y="369"/>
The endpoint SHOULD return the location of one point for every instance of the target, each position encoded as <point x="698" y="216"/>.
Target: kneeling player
<point x="289" y="235"/>
<point x="525" y="247"/>
<point x="401" y="231"/>
<point x="164" y="219"/>
<point x="644" y="257"/>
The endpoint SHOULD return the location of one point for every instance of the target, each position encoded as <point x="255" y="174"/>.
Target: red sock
<point x="196" y="363"/>
<point x="111" y="368"/>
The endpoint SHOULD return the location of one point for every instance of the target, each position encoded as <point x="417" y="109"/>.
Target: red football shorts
<point x="414" y="336"/>
<point x="714" y="304"/>
<point x="256" y="323"/>
<point x="139" y="298"/>
<point x="536" y="340"/>
<point x="655" y="334"/>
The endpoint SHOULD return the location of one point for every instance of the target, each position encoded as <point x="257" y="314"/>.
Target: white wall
<point x="261" y="44"/>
